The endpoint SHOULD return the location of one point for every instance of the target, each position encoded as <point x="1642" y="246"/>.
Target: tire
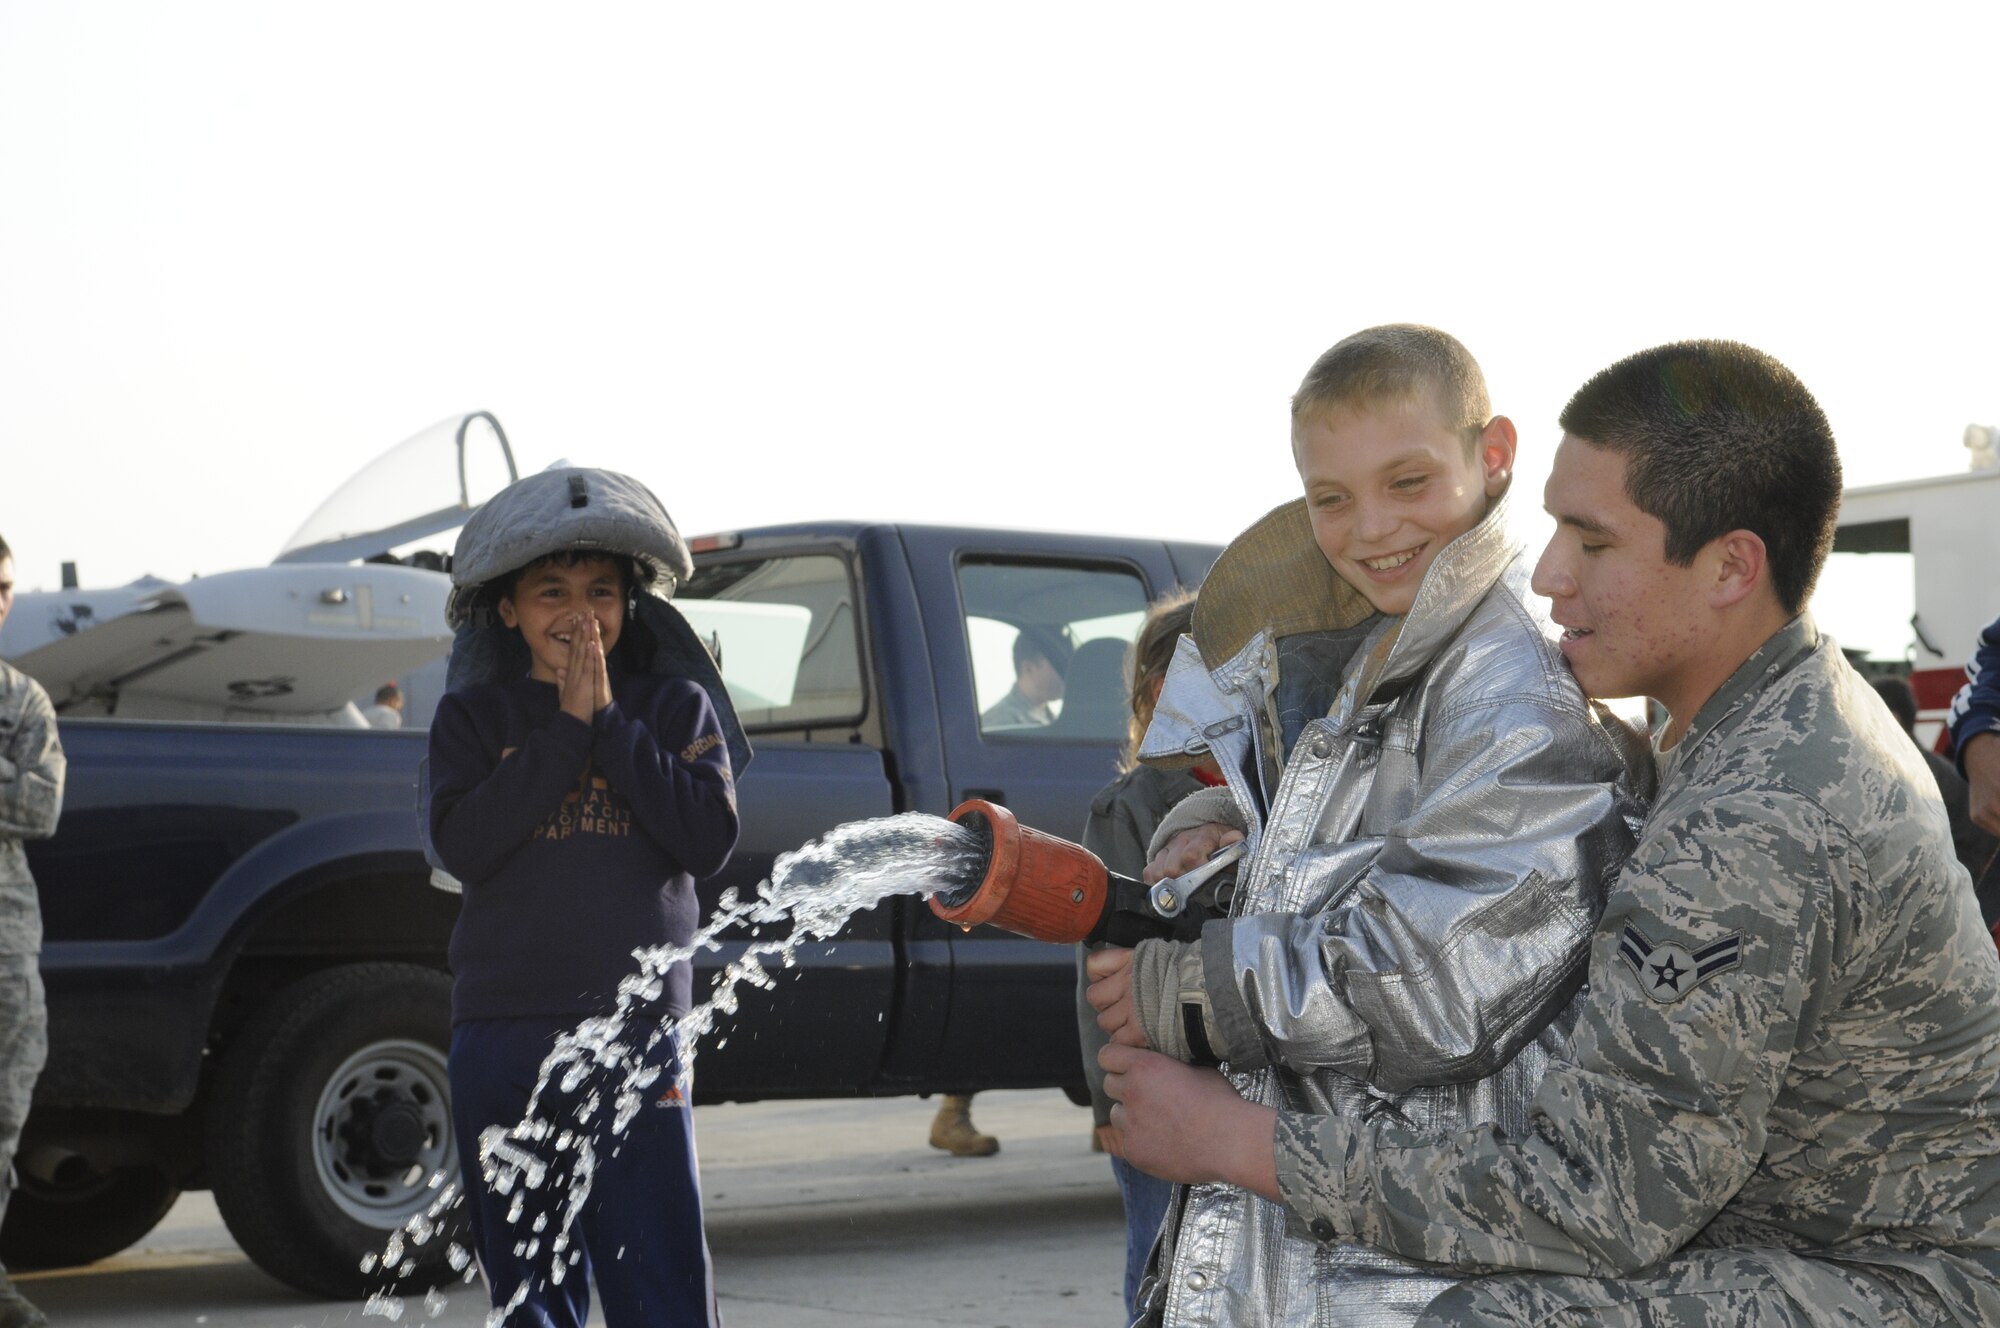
<point x="331" y="1116"/>
<point x="83" y="1216"/>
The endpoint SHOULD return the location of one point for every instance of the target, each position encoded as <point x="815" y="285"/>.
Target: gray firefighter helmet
<point x="579" y="508"/>
<point x="568" y="508"/>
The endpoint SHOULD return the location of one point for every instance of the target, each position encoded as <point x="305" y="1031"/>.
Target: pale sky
<point x="1046" y="265"/>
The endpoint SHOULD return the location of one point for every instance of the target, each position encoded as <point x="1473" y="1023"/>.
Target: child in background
<point x="1123" y="816"/>
<point x="577" y="803"/>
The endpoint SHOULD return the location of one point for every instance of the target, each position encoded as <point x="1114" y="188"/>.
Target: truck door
<point x="783" y="623"/>
<point x="1027" y="637"/>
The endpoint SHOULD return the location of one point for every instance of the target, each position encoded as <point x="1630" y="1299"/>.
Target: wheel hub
<point x="383" y="1131"/>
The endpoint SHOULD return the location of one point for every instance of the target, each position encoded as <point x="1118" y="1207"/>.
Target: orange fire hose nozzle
<point x="1044" y="887"/>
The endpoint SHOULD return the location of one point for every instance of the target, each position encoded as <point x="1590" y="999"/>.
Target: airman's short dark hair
<point x="1718" y="436"/>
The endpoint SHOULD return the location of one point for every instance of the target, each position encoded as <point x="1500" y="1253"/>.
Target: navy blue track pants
<point x="640" y="1234"/>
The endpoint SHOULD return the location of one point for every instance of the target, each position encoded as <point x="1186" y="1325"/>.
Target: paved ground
<point x="821" y="1215"/>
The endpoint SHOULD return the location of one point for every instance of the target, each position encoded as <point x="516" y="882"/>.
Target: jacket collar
<point x="1454" y="584"/>
<point x="1777" y="656"/>
<point x="1273" y="580"/>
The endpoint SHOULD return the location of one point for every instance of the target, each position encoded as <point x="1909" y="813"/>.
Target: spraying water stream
<point x="595" y="1080"/>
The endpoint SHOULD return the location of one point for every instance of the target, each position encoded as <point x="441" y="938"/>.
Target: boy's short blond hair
<point x="1394" y="363"/>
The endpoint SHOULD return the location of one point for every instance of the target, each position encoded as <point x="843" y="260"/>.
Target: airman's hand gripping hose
<point x="1047" y="888"/>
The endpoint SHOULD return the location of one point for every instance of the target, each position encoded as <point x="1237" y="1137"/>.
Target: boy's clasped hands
<point x="584" y="683"/>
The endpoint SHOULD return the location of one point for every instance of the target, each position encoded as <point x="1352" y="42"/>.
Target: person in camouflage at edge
<point x="31" y="785"/>
<point x="1782" y="1100"/>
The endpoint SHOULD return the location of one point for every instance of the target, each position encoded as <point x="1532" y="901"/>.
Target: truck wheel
<point x="82" y="1215"/>
<point x="331" y="1126"/>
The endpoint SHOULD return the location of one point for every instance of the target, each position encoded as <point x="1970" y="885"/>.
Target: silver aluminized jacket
<point x="1434" y="813"/>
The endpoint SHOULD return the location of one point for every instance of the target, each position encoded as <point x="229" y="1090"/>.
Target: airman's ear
<point x="1740" y="565"/>
<point x="1494" y="451"/>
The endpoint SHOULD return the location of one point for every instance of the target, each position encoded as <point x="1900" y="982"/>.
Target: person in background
<point x="387" y="712"/>
<point x="1975" y="730"/>
<point x="31" y="789"/>
<point x="1974" y="846"/>
<point x="1123" y="816"/>
<point x="1041" y="658"/>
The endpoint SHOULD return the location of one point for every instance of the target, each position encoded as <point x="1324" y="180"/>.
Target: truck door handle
<point x="997" y="796"/>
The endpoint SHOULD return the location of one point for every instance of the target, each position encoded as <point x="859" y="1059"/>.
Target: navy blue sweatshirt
<point x="576" y="843"/>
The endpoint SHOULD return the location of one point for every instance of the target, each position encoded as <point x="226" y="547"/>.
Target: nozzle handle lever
<point x="1171" y="895"/>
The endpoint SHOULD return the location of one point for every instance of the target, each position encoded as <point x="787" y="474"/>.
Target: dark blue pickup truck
<point x="245" y="961"/>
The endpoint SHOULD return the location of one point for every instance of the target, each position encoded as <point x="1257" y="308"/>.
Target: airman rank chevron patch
<point x="1670" y="971"/>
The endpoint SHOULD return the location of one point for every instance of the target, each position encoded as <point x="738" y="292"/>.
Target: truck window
<point x="1866" y="599"/>
<point x="1048" y="645"/>
<point x="784" y="634"/>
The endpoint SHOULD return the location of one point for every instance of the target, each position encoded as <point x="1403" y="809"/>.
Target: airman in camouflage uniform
<point x="31" y="783"/>
<point x="1788" y="1063"/>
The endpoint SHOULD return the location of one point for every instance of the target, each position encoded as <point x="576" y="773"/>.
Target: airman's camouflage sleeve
<point x="1465" y="929"/>
<point x="1702" y="964"/>
<point x="31" y="759"/>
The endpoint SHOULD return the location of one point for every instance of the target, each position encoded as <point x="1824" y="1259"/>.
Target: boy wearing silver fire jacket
<point x="1433" y="814"/>
<point x="1781" y="1103"/>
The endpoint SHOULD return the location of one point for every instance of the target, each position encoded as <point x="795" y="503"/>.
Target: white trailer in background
<point x="1915" y="576"/>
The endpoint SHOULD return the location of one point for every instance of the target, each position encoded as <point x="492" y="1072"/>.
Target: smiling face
<point x="1633" y="623"/>
<point x="1390" y="484"/>
<point x="547" y="604"/>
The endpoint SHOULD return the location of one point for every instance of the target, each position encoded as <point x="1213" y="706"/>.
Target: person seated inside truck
<point x="577" y="802"/>
<point x="1041" y="659"/>
<point x="31" y="789"/>
<point x="1432" y="811"/>
<point x="1778" y="1105"/>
